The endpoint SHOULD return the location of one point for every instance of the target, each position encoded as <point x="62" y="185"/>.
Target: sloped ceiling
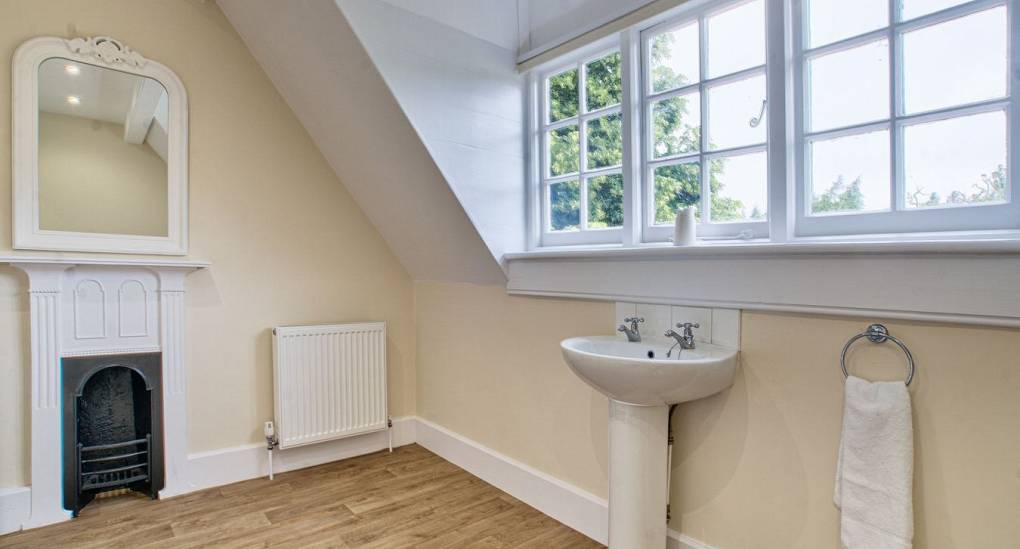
<point x="464" y="97"/>
<point x="311" y="53"/>
<point x="494" y="21"/>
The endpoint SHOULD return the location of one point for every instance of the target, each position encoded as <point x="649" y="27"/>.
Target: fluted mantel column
<point x="175" y="405"/>
<point x="45" y="288"/>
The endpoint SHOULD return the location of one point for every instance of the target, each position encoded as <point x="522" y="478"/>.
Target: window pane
<point x="956" y="162"/>
<point x="605" y="141"/>
<point x="603" y="85"/>
<point x="910" y="9"/>
<point x="960" y="61"/>
<point x="736" y="38"/>
<point x="675" y="60"/>
<point x="677" y="125"/>
<point x="832" y="20"/>
<point x="563" y="98"/>
<point x="605" y="201"/>
<point x="849" y="86"/>
<point x="564" y="150"/>
<point x="850" y="174"/>
<point x="731" y="108"/>
<point x="565" y="206"/>
<point x="676" y="187"/>
<point x="739" y="188"/>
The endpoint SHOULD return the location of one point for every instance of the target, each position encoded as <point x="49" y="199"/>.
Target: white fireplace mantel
<point x="29" y="259"/>
<point x="83" y="306"/>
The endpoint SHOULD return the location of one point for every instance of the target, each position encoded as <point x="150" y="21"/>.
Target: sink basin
<point x="641" y="374"/>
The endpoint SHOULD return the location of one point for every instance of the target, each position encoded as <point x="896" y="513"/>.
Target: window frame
<point x="898" y="219"/>
<point x="584" y="234"/>
<point x="650" y="231"/>
<point x="785" y="146"/>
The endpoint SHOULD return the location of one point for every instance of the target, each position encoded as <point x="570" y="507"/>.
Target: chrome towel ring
<point x="877" y="333"/>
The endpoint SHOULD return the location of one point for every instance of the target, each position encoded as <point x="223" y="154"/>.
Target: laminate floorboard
<point x="410" y="498"/>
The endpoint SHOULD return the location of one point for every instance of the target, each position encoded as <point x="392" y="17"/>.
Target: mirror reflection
<point x="103" y="137"/>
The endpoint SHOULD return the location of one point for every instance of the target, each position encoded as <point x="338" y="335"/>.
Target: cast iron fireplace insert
<point x="112" y="427"/>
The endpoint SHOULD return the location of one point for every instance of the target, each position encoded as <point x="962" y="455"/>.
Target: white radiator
<point x="330" y="381"/>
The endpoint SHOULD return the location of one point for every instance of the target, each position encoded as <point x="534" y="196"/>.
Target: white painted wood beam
<point x="147" y="95"/>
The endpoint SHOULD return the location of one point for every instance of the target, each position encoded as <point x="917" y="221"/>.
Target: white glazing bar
<point x="1012" y="86"/>
<point x="706" y="198"/>
<point x="533" y="214"/>
<point x="895" y="104"/>
<point x="776" y="112"/>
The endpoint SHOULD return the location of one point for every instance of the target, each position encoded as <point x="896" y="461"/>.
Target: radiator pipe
<point x="669" y="454"/>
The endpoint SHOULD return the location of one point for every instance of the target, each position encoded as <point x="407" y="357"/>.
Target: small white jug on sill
<point x="685" y="228"/>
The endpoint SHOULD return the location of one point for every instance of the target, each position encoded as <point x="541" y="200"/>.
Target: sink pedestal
<point x="637" y="476"/>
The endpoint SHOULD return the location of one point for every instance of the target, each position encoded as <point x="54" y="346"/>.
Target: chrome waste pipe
<point x="669" y="455"/>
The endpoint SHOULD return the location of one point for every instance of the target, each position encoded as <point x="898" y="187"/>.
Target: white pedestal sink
<point x="641" y="383"/>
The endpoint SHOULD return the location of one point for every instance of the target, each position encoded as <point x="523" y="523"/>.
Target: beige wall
<point x="287" y="242"/>
<point x="91" y="180"/>
<point x="489" y="368"/>
<point x="14" y="407"/>
<point x="753" y="466"/>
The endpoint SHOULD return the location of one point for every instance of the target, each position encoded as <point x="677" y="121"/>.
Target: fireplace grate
<point x="112" y="465"/>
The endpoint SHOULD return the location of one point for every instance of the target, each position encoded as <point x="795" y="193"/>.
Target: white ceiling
<point x="105" y="94"/>
<point x="463" y="96"/>
<point x="522" y="26"/>
<point x="546" y="24"/>
<point x="494" y="21"/>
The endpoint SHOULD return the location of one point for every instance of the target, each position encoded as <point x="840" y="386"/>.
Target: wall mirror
<point x="99" y="149"/>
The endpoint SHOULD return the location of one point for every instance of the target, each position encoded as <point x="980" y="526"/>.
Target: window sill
<point x="963" y="280"/>
<point x="988" y="245"/>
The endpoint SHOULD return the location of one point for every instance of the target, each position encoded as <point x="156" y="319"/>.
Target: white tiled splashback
<point x="718" y="326"/>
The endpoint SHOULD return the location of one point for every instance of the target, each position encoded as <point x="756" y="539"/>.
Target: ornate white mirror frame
<point x="104" y="52"/>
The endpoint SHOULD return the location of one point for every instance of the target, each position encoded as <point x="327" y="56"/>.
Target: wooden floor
<point x="410" y="498"/>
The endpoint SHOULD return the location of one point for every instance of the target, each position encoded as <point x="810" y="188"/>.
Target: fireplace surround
<point x="94" y="307"/>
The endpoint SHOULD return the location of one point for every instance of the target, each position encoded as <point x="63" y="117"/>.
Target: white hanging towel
<point x="875" y="466"/>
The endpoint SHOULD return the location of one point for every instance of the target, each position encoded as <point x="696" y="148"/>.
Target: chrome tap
<point x="633" y="335"/>
<point x="684" y="340"/>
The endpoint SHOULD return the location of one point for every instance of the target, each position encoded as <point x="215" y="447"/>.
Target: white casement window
<point x="785" y="120"/>
<point x="705" y="123"/>
<point x="904" y="110"/>
<point x="582" y="152"/>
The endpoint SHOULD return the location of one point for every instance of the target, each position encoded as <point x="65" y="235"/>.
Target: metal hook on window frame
<point x="756" y="121"/>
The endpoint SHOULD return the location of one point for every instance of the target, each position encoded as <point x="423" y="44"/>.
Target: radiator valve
<point x="270" y="431"/>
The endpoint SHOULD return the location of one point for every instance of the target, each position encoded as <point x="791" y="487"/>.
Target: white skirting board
<point x="577" y="508"/>
<point x="219" y="467"/>
<point x="15" y="504"/>
<point x="676" y="540"/>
